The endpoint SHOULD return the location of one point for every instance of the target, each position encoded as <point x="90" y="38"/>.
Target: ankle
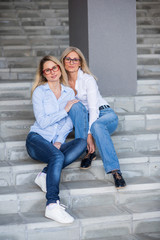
<point x="116" y="171"/>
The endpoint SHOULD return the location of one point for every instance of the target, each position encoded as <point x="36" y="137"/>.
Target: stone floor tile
<point x="146" y="226"/>
<point x="144" y="209"/>
<point x="110" y="213"/>
<point x="148" y="236"/>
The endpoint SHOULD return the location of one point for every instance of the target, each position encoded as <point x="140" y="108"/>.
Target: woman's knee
<point x="57" y="158"/>
<point x="78" y="107"/>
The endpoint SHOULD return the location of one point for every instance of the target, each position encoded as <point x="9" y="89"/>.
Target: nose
<point x="51" y="70"/>
<point x="71" y="62"/>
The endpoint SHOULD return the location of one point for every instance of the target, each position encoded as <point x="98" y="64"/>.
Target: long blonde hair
<point x="84" y="65"/>
<point x="40" y="79"/>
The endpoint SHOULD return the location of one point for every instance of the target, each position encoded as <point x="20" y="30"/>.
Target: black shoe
<point x="118" y="180"/>
<point x="87" y="160"/>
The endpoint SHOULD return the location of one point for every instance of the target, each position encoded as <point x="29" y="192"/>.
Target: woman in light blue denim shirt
<point x="52" y="100"/>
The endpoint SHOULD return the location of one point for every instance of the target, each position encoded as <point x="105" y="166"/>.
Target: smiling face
<point x="71" y="66"/>
<point x="52" y="71"/>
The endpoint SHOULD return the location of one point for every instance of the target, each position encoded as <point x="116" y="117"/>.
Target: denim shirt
<point x="52" y="120"/>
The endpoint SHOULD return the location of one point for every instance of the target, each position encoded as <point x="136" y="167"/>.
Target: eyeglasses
<point x="47" y="71"/>
<point x="73" y="60"/>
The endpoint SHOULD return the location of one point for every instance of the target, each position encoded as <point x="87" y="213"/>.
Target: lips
<point x="54" y="76"/>
<point x="71" y="67"/>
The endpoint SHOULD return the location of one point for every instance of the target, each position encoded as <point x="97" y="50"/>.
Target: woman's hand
<point x="90" y="144"/>
<point x="57" y="145"/>
<point x="70" y="104"/>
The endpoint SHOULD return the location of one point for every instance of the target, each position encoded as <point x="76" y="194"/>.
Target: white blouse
<point x="89" y="95"/>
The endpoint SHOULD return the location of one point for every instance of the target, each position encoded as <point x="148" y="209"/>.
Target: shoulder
<point x="88" y="78"/>
<point x="39" y="90"/>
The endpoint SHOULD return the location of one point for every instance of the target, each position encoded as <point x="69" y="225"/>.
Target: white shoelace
<point x="62" y="206"/>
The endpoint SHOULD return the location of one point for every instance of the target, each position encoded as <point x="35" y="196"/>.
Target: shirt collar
<point x="46" y="87"/>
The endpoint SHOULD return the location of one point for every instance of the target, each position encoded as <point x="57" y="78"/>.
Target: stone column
<point x="105" y="31"/>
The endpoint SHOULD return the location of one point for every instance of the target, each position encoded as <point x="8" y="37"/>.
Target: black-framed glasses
<point x="47" y="71"/>
<point x="73" y="60"/>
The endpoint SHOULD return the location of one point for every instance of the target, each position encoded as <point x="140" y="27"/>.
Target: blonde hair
<point x="40" y="79"/>
<point x="83" y="61"/>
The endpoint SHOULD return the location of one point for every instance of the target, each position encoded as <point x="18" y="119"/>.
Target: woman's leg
<point x="72" y="150"/>
<point x="79" y="116"/>
<point x="101" y="130"/>
<point x="40" y="149"/>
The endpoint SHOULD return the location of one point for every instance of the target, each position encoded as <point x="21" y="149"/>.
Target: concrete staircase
<point x="28" y="31"/>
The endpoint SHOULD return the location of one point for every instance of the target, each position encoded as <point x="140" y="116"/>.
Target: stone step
<point x="148" y="59"/>
<point x="54" y="21"/>
<point x="19" y="89"/>
<point x="141" y="236"/>
<point x="133" y="164"/>
<point x="148" y="86"/>
<point x="19" y="122"/>
<point x="90" y="223"/>
<point x="19" y="62"/>
<point x="17" y="73"/>
<point x="135" y="104"/>
<point x="147" y="13"/>
<point x="31" y="51"/>
<point x="148" y="49"/>
<point x="13" y="147"/>
<point x="41" y="13"/>
<point x="148" y="21"/>
<point x="148" y="70"/>
<point x="148" y="5"/>
<point x="148" y="29"/>
<point x="79" y="194"/>
<point x="34" y="30"/>
<point x="148" y="39"/>
<point x="28" y="61"/>
<point x="139" y="104"/>
<point x="144" y="86"/>
<point x="34" y="40"/>
<point x="33" y="6"/>
<point x="61" y="21"/>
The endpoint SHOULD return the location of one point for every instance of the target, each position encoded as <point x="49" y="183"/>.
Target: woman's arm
<point x="92" y="99"/>
<point x="65" y="130"/>
<point x="93" y="108"/>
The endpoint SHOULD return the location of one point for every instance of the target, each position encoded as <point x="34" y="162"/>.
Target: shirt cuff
<point x="61" y="139"/>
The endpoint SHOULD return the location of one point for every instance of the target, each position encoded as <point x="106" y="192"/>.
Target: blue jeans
<point x="79" y="115"/>
<point x="101" y="130"/>
<point x="40" y="149"/>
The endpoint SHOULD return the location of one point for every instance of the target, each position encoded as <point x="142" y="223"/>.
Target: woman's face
<point x="72" y="62"/>
<point x="51" y="71"/>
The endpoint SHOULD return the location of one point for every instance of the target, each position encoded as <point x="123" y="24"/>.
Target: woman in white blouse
<point x="102" y="119"/>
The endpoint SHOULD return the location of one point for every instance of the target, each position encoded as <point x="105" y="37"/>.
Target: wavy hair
<point x="40" y="79"/>
<point x="84" y="65"/>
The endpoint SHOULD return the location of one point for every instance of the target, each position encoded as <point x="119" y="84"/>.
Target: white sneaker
<point x="57" y="212"/>
<point x="41" y="181"/>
